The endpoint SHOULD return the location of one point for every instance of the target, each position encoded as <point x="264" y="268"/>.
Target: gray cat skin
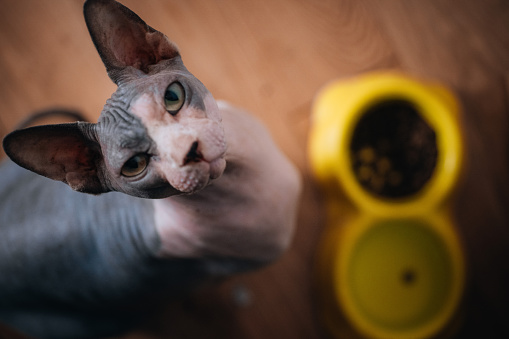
<point x="181" y="188"/>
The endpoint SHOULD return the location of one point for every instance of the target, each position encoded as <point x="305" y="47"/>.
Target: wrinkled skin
<point x="222" y="197"/>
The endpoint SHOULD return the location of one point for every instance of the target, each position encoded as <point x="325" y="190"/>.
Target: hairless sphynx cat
<point x="197" y="189"/>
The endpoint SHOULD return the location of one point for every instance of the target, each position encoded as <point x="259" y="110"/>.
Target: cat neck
<point x="248" y="212"/>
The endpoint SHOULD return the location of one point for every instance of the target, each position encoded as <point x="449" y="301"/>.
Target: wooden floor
<point x="271" y="57"/>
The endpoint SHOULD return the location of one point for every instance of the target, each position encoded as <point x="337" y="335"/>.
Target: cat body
<point x="196" y="188"/>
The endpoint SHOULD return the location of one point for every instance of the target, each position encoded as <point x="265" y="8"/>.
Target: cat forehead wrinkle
<point x="117" y="106"/>
<point x="121" y="129"/>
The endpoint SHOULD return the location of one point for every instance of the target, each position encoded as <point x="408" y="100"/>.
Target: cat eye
<point x="174" y="98"/>
<point x="135" y="165"/>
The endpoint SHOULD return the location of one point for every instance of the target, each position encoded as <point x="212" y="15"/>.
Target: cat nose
<point x="193" y="155"/>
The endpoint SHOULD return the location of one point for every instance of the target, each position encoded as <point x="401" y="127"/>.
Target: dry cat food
<point x="393" y="150"/>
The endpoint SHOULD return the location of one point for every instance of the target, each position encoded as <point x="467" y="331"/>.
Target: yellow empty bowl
<point x="398" y="278"/>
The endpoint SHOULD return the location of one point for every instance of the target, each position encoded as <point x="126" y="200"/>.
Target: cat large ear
<point x="123" y="39"/>
<point x="64" y="152"/>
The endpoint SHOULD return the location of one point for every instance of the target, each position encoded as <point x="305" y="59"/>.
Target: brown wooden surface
<point x="271" y="57"/>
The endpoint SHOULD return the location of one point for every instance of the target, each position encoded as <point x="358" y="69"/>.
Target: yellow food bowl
<point x="344" y="107"/>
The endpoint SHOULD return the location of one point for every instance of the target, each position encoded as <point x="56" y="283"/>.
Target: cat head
<point x="159" y="134"/>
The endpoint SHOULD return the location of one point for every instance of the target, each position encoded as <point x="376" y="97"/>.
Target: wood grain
<point x="271" y="57"/>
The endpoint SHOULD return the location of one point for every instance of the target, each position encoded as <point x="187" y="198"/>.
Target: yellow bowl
<point x="339" y="108"/>
<point x="393" y="278"/>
